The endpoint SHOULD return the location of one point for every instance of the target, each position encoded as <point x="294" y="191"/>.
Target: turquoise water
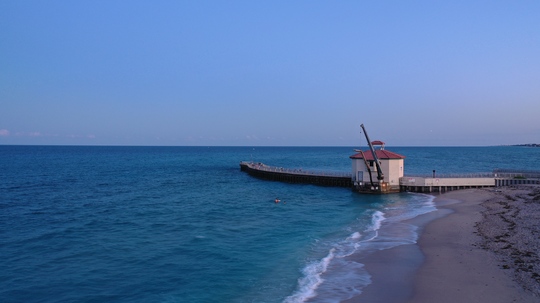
<point x="184" y="224"/>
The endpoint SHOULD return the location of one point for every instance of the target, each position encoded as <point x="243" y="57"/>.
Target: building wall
<point x="391" y="168"/>
<point x="358" y="165"/>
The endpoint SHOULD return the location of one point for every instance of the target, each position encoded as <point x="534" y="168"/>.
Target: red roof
<point x="377" y="143"/>
<point x="381" y="154"/>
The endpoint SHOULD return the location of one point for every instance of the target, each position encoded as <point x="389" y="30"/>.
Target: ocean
<point x="184" y="224"/>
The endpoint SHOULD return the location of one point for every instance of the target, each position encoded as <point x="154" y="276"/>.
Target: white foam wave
<point x="372" y="231"/>
<point x="308" y="284"/>
<point x="312" y="273"/>
<point x="376" y="220"/>
<point x="335" y="277"/>
<point x="355" y="236"/>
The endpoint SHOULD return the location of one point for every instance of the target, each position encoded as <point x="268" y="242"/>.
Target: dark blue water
<point x="183" y="224"/>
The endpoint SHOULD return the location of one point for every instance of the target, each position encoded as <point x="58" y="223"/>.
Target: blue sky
<point x="308" y="73"/>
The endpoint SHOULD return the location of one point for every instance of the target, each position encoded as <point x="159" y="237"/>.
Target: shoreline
<point x="455" y="259"/>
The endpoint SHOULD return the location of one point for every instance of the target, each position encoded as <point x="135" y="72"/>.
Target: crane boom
<point x="380" y="175"/>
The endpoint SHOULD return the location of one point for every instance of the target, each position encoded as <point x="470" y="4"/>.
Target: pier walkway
<point x="274" y="173"/>
<point x="448" y="182"/>
<point x="417" y="183"/>
<point x="507" y="177"/>
<point x="444" y="183"/>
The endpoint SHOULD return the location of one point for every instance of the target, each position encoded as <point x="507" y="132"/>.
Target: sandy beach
<point x="481" y="245"/>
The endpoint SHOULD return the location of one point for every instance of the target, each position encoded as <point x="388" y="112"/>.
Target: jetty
<point x="289" y="175"/>
<point x="417" y="183"/>
<point x="380" y="171"/>
<point x="446" y="182"/>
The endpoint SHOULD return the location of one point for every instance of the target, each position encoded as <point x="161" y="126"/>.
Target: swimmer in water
<point x="277" y="200"/>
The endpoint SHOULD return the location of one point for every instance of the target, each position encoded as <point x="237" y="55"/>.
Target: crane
<point x="380" y="175"/>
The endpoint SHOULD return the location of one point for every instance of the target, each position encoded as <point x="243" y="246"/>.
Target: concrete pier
<point x="444" y="184"/>
<point x="274" y="173"/>
<point x="421" y="184"/>
<point x="511" y="182"/>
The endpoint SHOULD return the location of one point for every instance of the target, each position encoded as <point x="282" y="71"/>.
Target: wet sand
<point x="481" y="245"/>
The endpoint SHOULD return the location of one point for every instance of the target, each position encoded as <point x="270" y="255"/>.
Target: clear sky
<point x="257" y="73"/>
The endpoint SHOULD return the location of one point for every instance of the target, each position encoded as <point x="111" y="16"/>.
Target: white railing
<point x="461" y="175"/>
<point x="514" y="173"/>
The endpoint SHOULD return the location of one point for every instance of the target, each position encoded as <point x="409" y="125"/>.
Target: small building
<point x="365" y="175"/>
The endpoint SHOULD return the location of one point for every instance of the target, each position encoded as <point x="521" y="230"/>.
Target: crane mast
<point x="380" y="175"/>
